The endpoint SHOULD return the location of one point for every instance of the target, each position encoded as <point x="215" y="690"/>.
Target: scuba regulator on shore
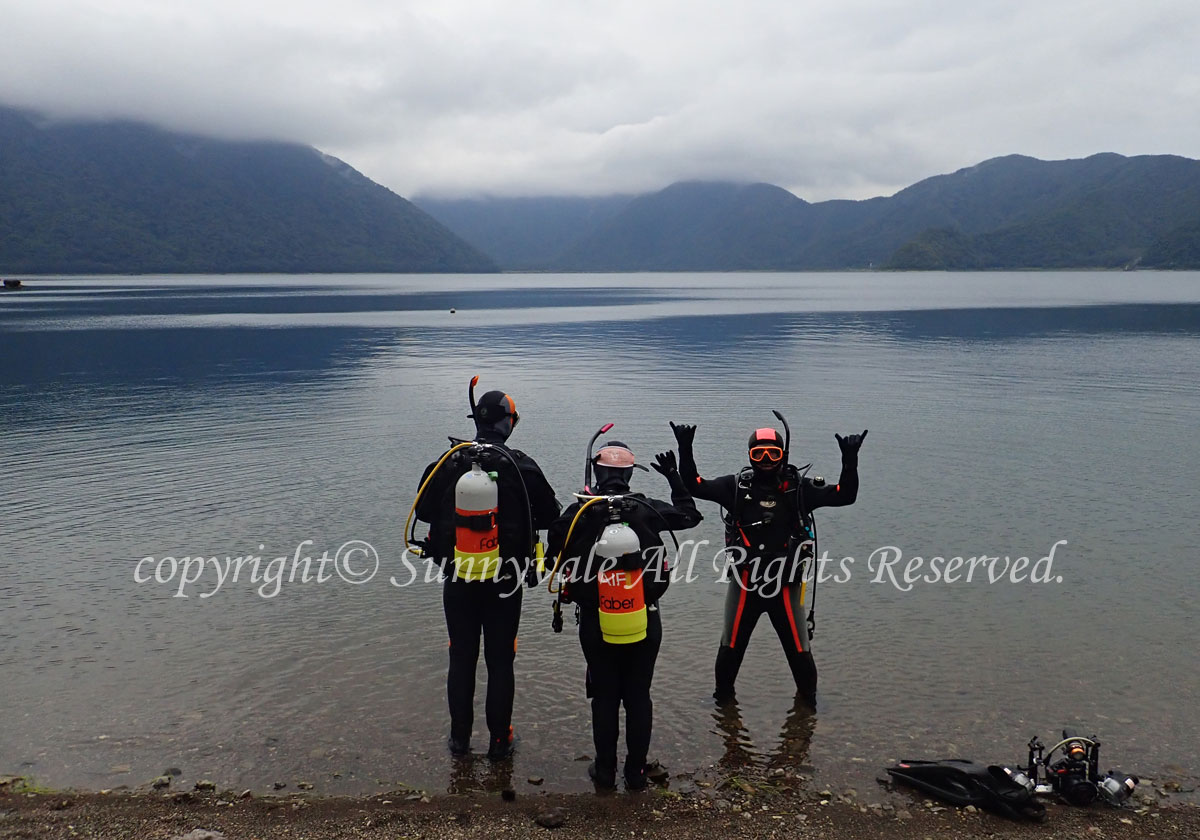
<point x="1075" y="775"/>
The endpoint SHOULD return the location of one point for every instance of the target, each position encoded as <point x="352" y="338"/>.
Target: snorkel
<point x="587" y="469"/>
<point x="787" y="436"/>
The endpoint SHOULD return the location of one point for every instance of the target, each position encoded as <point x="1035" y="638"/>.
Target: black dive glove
<point x="664" y="462"/>
<point x="850" y="444"/>
<point x="685" y="434"/>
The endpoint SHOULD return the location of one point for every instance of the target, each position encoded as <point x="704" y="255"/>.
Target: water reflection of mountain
<point x="45" y="371"/>
<point x="1002" y="324"/>
<point x="704" y="334"/>
<point x="186" y="356"/>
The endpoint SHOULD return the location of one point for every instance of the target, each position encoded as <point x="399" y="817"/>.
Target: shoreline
<point x="733" y="807"/>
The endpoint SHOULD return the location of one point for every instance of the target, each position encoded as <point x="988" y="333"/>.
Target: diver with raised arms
<point x="615" y="570"/>
<point x="769" y="536"/>
<point x="485" y="504"/>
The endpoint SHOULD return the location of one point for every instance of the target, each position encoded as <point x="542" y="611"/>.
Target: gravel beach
<point x="738" y="808"/>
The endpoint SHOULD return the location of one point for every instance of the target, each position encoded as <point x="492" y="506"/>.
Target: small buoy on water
<point x="451" y="311"/>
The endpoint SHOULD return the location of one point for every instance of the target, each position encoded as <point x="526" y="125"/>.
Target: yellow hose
<point x="558" y="561"/>
<point x="421" y="490"/>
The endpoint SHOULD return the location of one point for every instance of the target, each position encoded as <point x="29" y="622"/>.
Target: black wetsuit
<point x="621" y="673"/>
<point x="768" y="527"/>
<point x="491" y="607"/>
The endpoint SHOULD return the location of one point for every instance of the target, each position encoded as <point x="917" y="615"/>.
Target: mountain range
<point x="1014" y="212"/>
<point x="121" y="197"/>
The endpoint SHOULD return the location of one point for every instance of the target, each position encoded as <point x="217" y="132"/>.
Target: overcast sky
<point x="827" y="98"/>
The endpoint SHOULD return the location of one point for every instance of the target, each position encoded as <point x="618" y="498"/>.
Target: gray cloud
<point x="828" y="99"/>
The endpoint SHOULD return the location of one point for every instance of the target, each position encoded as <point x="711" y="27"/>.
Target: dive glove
<point x="664" y="462"/>
<point x="850" y="444"/>
<point x="685" y="433"/>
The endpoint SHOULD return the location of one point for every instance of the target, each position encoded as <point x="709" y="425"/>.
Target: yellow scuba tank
<point x="476" y="531"/>
<point x="622" y="594"/>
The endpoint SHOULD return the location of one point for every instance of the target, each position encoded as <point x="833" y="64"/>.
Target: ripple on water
<point x="213" y="433"/>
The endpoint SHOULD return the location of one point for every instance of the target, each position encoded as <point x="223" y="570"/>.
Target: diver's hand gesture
<point x="850" y="444"/>
<point x="665" y="463"/>
<point x="684" y="433"/>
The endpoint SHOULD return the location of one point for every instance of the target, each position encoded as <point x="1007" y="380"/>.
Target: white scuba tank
<point x="622" y="593"/>
<point x="476" y="530"/>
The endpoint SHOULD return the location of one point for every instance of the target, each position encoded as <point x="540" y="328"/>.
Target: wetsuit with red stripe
<point x="768" y="529"/>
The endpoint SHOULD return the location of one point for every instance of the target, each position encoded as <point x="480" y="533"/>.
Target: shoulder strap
<point x="741" y="487"/>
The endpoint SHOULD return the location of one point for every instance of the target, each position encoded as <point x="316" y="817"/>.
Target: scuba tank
<point x="623" y="617"/>
<point x="623" y="613"/>
<point x="476" y="503"/>
<point x="476" y="531"/>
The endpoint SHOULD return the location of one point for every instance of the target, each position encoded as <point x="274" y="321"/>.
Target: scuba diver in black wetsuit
<point x="485" y="504"/>
<point x="769" y="531"/>
<point x="616" y="571"/>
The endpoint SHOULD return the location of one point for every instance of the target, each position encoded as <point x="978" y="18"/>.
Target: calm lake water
<point x="226" y="416"/>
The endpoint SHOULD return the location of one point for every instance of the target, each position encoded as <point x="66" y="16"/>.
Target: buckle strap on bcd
<point x="476" y="521"/>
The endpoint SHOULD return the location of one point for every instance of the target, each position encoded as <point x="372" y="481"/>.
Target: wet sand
<point x="730" y="807"/>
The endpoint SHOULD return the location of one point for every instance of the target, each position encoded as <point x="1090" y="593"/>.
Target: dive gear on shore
<point x="961" y="782"/>
<point x="1075" y="775"/>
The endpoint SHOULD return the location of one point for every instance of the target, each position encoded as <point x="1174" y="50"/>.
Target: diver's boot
<point x="604" y="777"/>
<point x="729" y="662"/>
<point x="458" y="746"/>
<point x="501" y="746"/>
<point x="635" y="775"/>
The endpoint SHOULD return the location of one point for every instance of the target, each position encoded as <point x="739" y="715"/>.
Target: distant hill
<point x="1177" y="248"/>
<point x="1011" y="212"/>
<point x="122" y="197"/>
<point x="524" y="234"/>
<point x="1105" y="211"/>
<point x="119" y="197"/>
<point x="694" y="227"/>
